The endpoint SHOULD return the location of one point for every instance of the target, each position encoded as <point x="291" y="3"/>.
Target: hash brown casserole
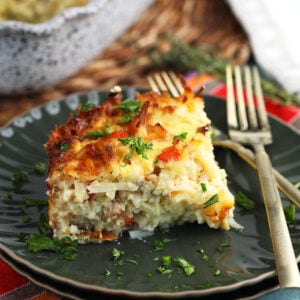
<point x="139" y="164"/>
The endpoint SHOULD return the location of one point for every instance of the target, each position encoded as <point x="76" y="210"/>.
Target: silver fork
<point x="249" y="127"/>
<point x="166" y="81"/>
<point x="169" y="81"/>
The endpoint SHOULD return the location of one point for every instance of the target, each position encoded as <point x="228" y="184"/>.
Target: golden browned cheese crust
<point x="108" y="161"/>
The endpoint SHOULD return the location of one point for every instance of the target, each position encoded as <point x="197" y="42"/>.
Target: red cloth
<point x="286" y="113"/>
<point x="10" y="280"/>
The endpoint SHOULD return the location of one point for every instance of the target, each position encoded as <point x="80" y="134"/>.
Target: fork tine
<point x="250" y="101"/>
<point x="170" y="84"/>
<point x="177" y="82"/>
<point x="240" y="99"/>
<point x="166" y="81"/>
<point x="160" y="82"/>
<point x="230" y="105"/>
<point x="262" y="113"/>
<point x="153" y="84"/>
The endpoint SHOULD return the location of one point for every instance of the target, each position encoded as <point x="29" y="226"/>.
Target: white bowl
<point x="35" y="56"/>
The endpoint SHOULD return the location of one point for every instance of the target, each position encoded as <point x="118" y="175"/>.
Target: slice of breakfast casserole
<point x="137" y="164"/>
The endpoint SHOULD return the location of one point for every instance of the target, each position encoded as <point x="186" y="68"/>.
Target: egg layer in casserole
<point x="135" y="165"/>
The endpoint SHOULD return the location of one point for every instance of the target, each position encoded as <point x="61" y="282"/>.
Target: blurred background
<point x="127" y="60"/>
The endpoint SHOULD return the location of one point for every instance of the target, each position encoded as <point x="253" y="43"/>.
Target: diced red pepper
<point x="169" y="154"/>
<point x="128" y="220"/>
<point x="118" y="134"/>
<point x="91" y="196"/>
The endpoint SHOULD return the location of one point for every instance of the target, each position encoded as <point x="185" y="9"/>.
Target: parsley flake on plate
<point x="185" y="265"/>
<point x="290" y="213"/>
<point x="245" y="201"/>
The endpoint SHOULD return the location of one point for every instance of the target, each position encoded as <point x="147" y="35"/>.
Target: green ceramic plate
<point x="246" y="261"/>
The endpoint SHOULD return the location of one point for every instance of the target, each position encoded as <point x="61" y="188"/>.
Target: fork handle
<point x="285" y="186"/>
<point x="286" y="264"/>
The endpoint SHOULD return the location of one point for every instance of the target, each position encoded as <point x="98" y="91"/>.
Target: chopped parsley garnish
<point x="94" y="134"/>
<point x="64" y="146"/>
<point x="222" y="246"/>
<point x="130" y="109"/>
<point x="107" y="273"/>
<point x="203" y="187"/>
<point x="181" y="136"/>
<point x="19" y="177"/>
<point x="213" y="136"/>
<point x="22" y="235"/>
<point x="39" y="168"/>
<point x="214" y="199"/>
<point x="159" y="245"/>
<point x="206" y="285"/>
<point x="26" y="219"/>
<point x="217" y="272"/>
<point x="185" y="265"/>
<point x="137" y="145"/>
<point x="119" y="262"/>
<point x="201" y="251"/>
<point x="35" y="202"/>
<point x="116" y="254"/>
<point x="119" y="274"/>
<point x="164" y="270"/>
<point x="205" y="257"/>
<point x="132" y="261"/>
<point x="166" y="267"/>
<point x="244" y="201"/>
<point x="290" y="213"/>
<point x="87" y="106"/>
<point x="128" y="105"/>
<point x="43" y="223"/>
<point x="39" y="242"/>
<point x="166" y="260"/>
<point x="127" y="118"/>
<point x="166" y="264"/>
<point x="9" y="195"/>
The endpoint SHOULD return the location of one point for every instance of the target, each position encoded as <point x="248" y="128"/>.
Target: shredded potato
<point x="35" y="11"/>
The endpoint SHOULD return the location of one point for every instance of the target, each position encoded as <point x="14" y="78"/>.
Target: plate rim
<point x="59" y="292"/>
<point x="124" y="292"/>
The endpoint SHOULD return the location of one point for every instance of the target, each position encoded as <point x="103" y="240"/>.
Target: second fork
<point x="255" y="131"/>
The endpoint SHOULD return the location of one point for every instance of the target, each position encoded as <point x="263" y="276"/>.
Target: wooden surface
<point x="126" y="62"/>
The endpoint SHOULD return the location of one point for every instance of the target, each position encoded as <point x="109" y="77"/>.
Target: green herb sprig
<point x="159" y="245"/>
<point x="39" y="168"/>
<point x="137" y="145"/>
<point x="40" y="242"/>
<point x="188" y="268"/>
<point x="181" y="136"/>
<point x="245" y="201"/>
<point x="290" y="213"/>
<point x="87" y="106"/>
<point x="94" y="134"/>
<point x="130" y="109"/>
<point x="212" y="200"/>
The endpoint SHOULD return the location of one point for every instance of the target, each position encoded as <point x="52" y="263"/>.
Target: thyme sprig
<point x="182" y="57"/>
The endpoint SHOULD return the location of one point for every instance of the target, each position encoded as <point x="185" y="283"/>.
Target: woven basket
<point x="126" y="62"/>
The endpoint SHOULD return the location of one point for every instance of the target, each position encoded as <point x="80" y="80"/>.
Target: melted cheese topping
<point x="161" y="118"/>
